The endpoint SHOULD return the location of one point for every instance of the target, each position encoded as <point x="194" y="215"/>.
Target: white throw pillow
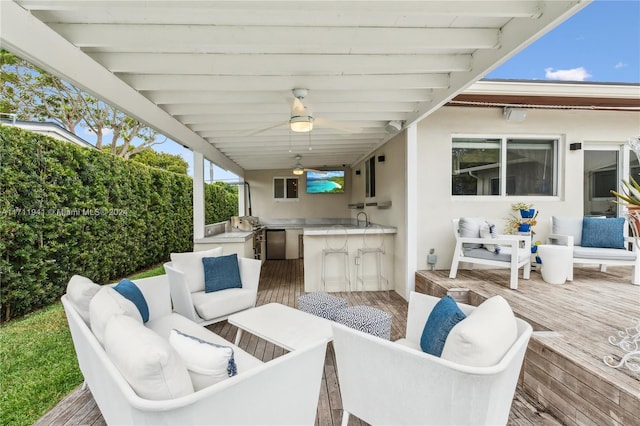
<point x="207" y="363"/>
<point x="568" y="226"/>
<point x="484" y="336"/>
<point x="146" y="360"/>
<point x="106" y="304"/>
<point x="488" y="230"/>
<point x="80" y="291"/>
<point x="469" y="227"/>
<point x="190" y="264"/>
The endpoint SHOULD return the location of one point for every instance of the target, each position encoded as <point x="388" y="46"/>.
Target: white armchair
<point x="515" y="250"/>
<point x="193" y="302"/>
<point x="384" y="382"/>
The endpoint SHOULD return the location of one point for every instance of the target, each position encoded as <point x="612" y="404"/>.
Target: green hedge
<point x="221" y="202"/>
<point x="68" y="210"/>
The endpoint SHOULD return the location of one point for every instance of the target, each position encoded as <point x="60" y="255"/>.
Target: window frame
<point x="286" y="197"/>
<point x="559" y="159"/>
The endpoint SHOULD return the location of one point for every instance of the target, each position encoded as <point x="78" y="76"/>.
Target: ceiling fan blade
<point x="335" y="125"/>
<point x="255" y="132"/>
<point x="322" y="172"/>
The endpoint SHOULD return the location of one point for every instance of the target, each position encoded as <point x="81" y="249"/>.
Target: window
<point x="285" y="188"/>
<point x="504" y="166"/>
<point x="370" y="177"/>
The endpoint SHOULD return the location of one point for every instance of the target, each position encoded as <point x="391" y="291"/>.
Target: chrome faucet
<point x="366" y="219"/>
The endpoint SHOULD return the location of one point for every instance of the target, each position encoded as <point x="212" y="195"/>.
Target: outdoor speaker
<point x="380" y="158"/>
<point x="576" y="146"/>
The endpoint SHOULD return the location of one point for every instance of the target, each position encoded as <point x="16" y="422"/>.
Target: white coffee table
<point x="282" y="325"/>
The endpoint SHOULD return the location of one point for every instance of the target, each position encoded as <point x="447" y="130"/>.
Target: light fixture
<point x="393" y="127"/>
<point x="514" y="114"/>
<point x="301" y="123"/>
<point x="298" y="169"/>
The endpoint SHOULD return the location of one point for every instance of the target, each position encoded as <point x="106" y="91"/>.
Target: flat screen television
<point x="325" y="182"/>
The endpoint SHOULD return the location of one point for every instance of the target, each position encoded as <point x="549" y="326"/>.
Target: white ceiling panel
<point x="217" y="76"/>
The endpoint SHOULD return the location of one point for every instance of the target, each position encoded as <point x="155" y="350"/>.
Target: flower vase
<point x="527" y="213"/>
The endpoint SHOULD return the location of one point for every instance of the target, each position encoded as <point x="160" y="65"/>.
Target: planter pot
<point x="527" y="213"/>
<point x="524" y="227"/>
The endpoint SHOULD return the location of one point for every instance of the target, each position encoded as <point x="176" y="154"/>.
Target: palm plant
<point x="630" y="193"/>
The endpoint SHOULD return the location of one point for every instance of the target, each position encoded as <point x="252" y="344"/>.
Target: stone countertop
<point x="227" y="237"/>
<point x="350" y="230"/>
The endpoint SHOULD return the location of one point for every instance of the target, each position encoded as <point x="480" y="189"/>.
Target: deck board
<point x="564" y="368"/>
<point x="281" y="281"/>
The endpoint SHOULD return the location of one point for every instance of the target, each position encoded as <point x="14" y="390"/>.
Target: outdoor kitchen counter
<point x="348" y="229"/>
<point x="239" y="242"/>
<point x="317" y="238"/>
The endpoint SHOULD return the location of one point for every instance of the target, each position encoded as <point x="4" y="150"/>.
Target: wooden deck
<point x="564" y="369"/>
<point x="282" y="281"/>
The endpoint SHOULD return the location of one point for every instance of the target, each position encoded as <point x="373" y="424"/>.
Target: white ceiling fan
<point x="299" y="169"/>
<point x="302" y="120"/>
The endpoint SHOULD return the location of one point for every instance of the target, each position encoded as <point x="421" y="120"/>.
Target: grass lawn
<point x="38" y="365"/>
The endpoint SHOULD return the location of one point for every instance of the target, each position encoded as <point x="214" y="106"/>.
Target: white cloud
<point x="620" y="65"/>
<point x="574" y="74"/>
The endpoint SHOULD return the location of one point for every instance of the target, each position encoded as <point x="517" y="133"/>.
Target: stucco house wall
<point x="437" y="206"/>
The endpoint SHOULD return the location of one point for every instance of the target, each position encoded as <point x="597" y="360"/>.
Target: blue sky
<point x="601" y="43"/>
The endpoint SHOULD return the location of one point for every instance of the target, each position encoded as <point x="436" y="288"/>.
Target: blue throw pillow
<point x="221" y="272"/>
<point x="441" y="320"/>
<point x="128" y="289"/>
<point x="603" y="232"/>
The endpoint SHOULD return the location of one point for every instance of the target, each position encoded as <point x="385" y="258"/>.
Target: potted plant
<point x="630" y="198"/>
<point x="526" y="210"/>
<point x="525" y="221"/>
<point x="630" y="193"/>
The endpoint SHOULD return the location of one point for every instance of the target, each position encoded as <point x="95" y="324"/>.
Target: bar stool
<point x="336" y="244"/>
<point x="372" y="244"/>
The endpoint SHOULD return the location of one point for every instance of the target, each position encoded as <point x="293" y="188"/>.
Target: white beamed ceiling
<point x="216" y="76"/>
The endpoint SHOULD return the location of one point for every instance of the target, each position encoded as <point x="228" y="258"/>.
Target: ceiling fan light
<point x="301" y="123"/>
<point x="298" y="171"/>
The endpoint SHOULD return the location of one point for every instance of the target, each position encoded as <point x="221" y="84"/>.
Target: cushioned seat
<point x="366" y="319"/>
<point x="321" y="304"/>
<point x="222" y="303"/>
<point x="603" y="253"/>
<point x="503" y="256"/>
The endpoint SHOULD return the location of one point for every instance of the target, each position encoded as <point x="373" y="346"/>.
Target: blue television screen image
<point x="325" y="182"/>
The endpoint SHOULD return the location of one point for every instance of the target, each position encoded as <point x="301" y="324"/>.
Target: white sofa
<point x="187" y="288"/>
<point x="384" y="382"/>
<point x="282" y="391"/>
<point x="568" y="231"/>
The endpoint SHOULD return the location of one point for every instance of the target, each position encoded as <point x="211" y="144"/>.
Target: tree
<point x="34" y="95"/>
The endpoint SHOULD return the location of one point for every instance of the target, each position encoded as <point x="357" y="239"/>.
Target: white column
<point x="241" y="198"/>
<point x="411" y="260"/>
<point x="198" y="195"/>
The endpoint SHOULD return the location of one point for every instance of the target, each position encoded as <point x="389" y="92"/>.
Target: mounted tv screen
<point x="325" y="182"/>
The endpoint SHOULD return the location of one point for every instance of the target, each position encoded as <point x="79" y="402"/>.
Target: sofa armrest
<point x="180" y="294"/>
<point x="559" y="239"/>
<point x="157" y="295"/>
<point x="249" y="272"/>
